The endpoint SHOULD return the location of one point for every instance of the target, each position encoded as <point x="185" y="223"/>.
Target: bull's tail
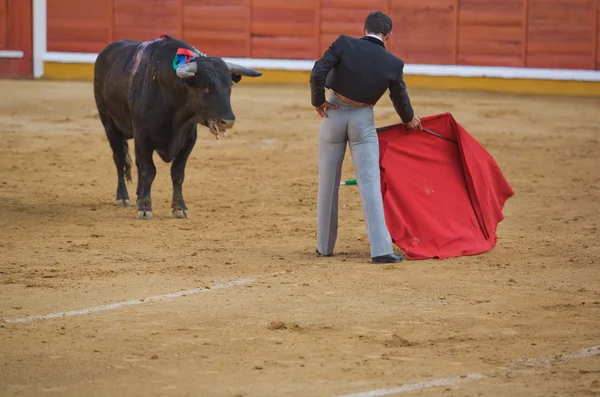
<point x="127" y="167"/>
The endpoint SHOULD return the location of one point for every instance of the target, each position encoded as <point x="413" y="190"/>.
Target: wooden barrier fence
<point x="15" y="36"/>
<point x="561" y="34"/>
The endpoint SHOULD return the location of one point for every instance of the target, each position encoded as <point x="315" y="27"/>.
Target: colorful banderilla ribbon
<point x="185" y="56"/>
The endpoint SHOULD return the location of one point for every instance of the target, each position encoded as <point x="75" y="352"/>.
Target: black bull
<point x="141" y="96"/>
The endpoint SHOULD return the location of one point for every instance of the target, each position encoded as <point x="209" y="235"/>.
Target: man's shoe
<point x="320" y="254"/>
<point x="391" y="258"/>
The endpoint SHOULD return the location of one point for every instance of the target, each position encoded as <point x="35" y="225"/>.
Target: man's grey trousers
<point x="353" y="125"/>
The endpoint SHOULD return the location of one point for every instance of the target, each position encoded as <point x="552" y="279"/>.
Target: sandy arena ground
<point x="344" y="325"/>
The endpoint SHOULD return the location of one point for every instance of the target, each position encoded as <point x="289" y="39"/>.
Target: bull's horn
<point x="187" y="70"/>
<point x="242" y="71"/>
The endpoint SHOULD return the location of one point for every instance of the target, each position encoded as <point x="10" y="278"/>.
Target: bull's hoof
<point x="181" y="214"/>
<point x="123" y="203"/>
<point x="144" y="215"/>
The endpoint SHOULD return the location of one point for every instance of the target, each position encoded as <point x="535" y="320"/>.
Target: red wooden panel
<point x="230" y="45"/>
<point x="287" y="30"/>
<point x="78" y="26"/>
<point x="18" y="32"/>
<point x="145" y="19"/>
<point x="491" y="32"/>
<point x="282" y="28"/>
<point x="18" y="16"/>
<point x="598" y="35"/>
<point x="345" y="17"/>
<point x="561" y="34"/>
<point x="283" y="48"/>
<point x="3" y="21"/>
<point x="218" y="27"/>
<point x="423" y="31"/>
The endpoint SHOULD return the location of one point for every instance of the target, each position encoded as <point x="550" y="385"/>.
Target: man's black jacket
<point x="361" y="70"/>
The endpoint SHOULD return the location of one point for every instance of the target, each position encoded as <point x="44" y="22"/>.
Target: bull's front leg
<point x="178" y="174"/>
<point x="146" y="174"/>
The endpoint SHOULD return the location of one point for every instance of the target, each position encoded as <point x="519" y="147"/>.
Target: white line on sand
<point x="113" y="306"/>
<point x="546" y="361"/>
<point x="418" y="386"/>
<point x="533" y="362"/>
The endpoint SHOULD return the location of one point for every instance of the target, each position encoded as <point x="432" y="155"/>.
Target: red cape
<point x="442" y="197"/>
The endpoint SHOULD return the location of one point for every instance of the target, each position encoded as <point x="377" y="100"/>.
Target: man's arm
<point x="400" y="99"/>
<point x="323" y="66"/>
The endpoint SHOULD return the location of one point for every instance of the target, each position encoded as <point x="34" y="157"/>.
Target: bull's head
<point x="209" y="81"/>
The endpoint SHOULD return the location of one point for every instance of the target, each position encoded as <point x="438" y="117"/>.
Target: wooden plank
<point x="74" y="28"/>
<point x="420" y="5"/>
<point x="341" y="27"/>
<point x="495" y="60"/>
<point x="493" y="6"/>
<point x="349" y="14"/>
<point x="490" y="48"/>
<point x="492" y="19"/>
<point x="147" y="15"/>
<point x="561" y="34"/>
<point x="282" y="48"/>
<point x="218" y="46"/>
<point x="345" y="17"/>
<point x="455" y="44"/>
<point x="73" y="9"/>
<point x="143" y="20"/>
<point x="2" y="32"/>
<point x="388" y="10"/>
<point x="372" y="5"/>
<point x="596" y="48"/>
<point x="226" y="44"/>
<point x="142" y="33"/>
<point x="146" y="6"/>
<point x="78" y="46"/>
<point x="125" y="21"/>
<point x="220" y="28"/>
<point x="511" y="35"/>
<point x="491" y="32"/>
<point x="558" y="6"/>
<point x="558" y="61"/>
<point x="219" y="3"/>
<point x="180" y="19"/>
<point x="424" y="31"/>
<point x="13" y="69"/>
<point x="284" y="5"/>
<point x="249" y="28"/>
<point x="18" y="17"/>
<point x="19" y="31"/>
<point x="111" y="21"/>
<point x="283" y="16"/>
<point x="294" y="23"/>
<point x="283" y="29"/>
<point x="227" y="17"/>
<point x="215" y="25"/>
<point x="565" y="48"/>
<point x="317" y="37"/>
<point x="525" y="32"/>
<point x="3" y="22"/>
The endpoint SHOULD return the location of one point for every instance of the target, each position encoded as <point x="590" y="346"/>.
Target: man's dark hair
<point x="379" y="23"/>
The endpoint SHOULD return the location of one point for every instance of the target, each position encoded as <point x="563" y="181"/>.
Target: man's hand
<point x="414" y="123"/>
<point x="322" y="110"/>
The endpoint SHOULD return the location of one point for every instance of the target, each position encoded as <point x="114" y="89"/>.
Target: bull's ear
<point x="236" y="78"/>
